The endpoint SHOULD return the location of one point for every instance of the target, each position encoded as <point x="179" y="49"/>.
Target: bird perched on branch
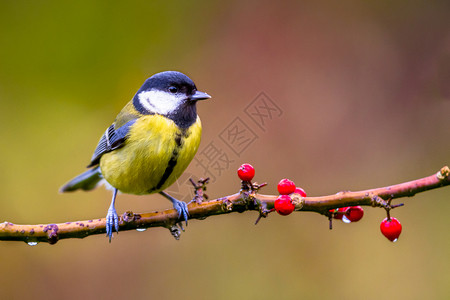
<point x="149" y="145"/>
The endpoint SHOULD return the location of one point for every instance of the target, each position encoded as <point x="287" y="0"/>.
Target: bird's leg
<point x="179" y="206"/>
<point x="112" y="217"/>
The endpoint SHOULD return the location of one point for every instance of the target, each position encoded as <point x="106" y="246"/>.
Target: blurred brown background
<point x="363" y="94"/>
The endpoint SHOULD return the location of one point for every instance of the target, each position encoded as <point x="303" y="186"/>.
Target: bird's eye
<point x="173" y="89"/>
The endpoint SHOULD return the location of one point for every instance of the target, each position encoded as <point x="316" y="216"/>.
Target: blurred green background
<point x="363" y="90"/>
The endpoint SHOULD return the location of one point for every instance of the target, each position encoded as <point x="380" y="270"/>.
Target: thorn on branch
<point x="388" y="206"/>
<point x="176" y="230"/>
<point x="199" y="189"/>
<point x="330" y="214"/>
<point x="263" y="211"/>
<point x="256" y="187"/>
<point x="397" y="205"/>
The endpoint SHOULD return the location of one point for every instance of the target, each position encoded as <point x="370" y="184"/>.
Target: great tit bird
<point x="149" y="145"/>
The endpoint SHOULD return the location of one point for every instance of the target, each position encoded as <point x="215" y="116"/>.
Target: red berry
<point x="353" y="214"/>
<point x="391" y="229"/>
<point x="300" y="191"/>
<point x="338" y="212"/>
<point x="246" y="172"/>
<point x="286" y="187"/>
<point x="283" y="205"/>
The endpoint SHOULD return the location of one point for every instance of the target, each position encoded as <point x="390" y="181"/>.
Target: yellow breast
<point x="155" y="154"/>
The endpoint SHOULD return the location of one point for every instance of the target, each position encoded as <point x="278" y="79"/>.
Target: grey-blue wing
<point x="112" y="139"/>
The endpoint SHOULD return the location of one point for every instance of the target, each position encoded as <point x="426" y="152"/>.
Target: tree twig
<point x="247" y="199"/>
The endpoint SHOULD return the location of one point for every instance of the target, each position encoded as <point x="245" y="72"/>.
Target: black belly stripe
<point x="171" y="164"/>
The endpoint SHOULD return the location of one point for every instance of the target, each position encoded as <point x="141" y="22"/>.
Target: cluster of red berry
<point x="348" y="214"/>
<point x="390" y="227"/>
<point x="286" y="187"/>
<point x="283" y="204"/>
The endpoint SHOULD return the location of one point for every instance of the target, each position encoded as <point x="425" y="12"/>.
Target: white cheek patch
<point x="160" y="102"/>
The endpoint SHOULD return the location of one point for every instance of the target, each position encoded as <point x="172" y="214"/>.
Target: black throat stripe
<point x="172" y="162"/>
<point x="138" y="106"/>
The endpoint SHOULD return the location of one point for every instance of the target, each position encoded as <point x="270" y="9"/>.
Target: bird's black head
<point x="171" y="94"/>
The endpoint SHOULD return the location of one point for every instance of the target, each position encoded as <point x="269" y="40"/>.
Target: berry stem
<point x="388" y="213"/>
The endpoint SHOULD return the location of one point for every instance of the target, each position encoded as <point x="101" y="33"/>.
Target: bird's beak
<point x="199" y="96"/>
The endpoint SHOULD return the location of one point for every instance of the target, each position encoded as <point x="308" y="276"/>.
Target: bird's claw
<point x="182" y="209"/>
<point x="111" y="219"/>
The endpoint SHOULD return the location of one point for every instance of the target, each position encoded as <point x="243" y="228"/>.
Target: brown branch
<point x="247" y="199"/>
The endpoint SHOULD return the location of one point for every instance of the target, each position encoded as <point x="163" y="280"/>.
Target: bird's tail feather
<point x="85" y="181"/>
